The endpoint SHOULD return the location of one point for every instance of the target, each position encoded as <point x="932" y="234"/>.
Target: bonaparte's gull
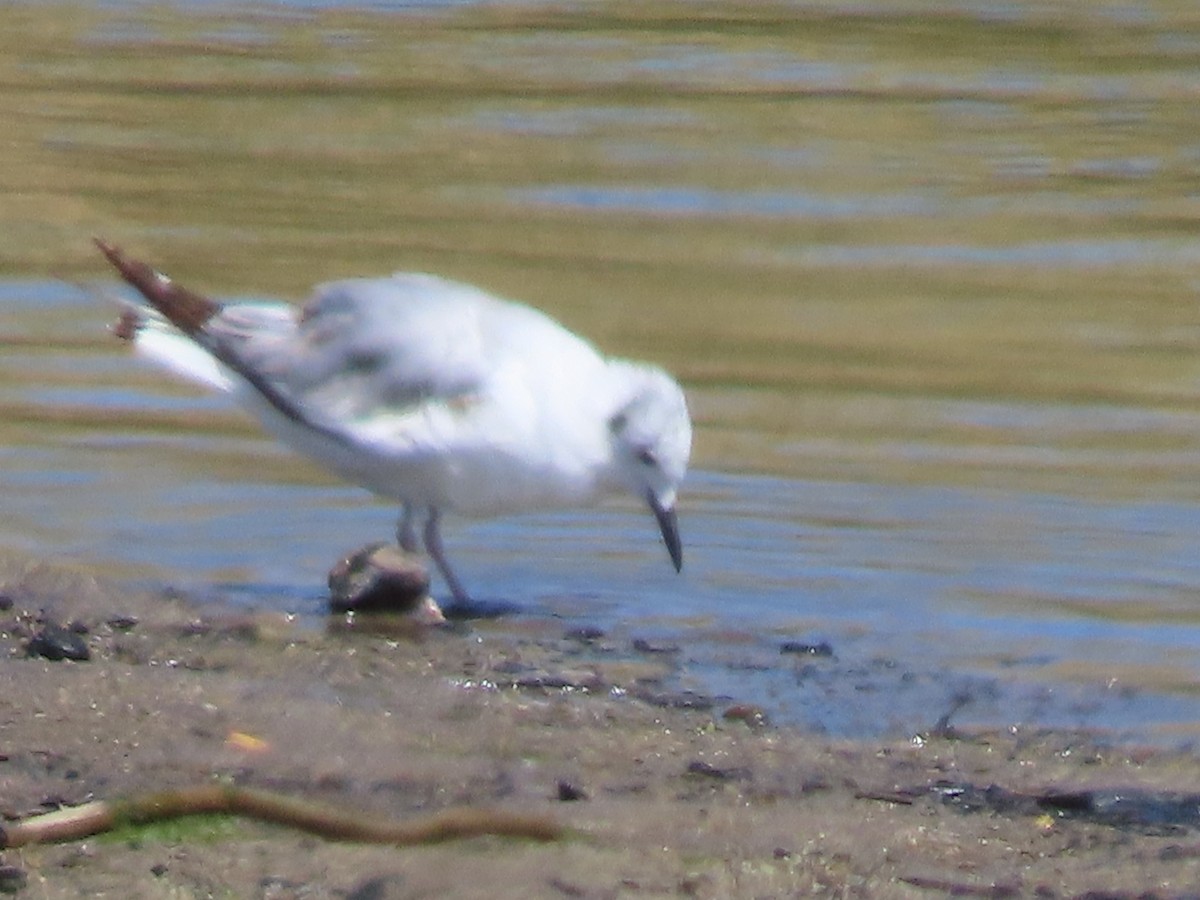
<point x="430" y="392"/>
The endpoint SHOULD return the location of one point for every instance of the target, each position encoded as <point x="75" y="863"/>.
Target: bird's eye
<point x="646" y="457"/>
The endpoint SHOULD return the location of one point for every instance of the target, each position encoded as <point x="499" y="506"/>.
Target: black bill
<point x="668" y="523"/>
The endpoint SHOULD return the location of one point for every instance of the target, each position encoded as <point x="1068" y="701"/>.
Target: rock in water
<point x="383" y="578"/>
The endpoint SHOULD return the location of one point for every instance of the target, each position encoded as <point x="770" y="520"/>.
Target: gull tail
<point x="155" y="339"/>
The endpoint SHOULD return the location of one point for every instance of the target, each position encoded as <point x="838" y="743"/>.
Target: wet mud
<point x="662" y="792"/>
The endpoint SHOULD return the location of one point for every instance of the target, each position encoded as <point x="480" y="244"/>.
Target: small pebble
<point x="800" y="648"/>
<point x="122" y="623"/>
<point x="12" y="879"/>
<point x="55" y="643"/>
<point x="702" y="769"/>
<point x="641" y="645"/>
<point x="274" y="887"/>
<point x="585" y="634"/>
<point x="379" y="887"/>
<point x="567" y="888"/>
<point x="672" y="699"/>
<point x="78" y="854"/>
<point x="6" y="603"/>
<point x="195" y="628"/>
<point x="562" y="680"/>
<point x="752" y="715"/>
<point x="568" y="792"/>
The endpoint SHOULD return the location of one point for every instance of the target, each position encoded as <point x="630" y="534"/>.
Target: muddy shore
<point x="661" y="796"/>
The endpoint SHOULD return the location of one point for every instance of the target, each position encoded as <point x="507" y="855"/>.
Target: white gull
<point x="430" y="392"/>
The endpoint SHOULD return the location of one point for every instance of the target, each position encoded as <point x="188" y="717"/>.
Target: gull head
<point x="651" y="437"/>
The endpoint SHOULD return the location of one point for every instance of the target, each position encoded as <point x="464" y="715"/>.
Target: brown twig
<point x="901" y="797"/>
<point x="102" y="815"/>
<point x="952" y="888"/>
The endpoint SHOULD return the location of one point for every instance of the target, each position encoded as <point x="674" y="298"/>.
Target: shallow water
<point x="929" y="276"/>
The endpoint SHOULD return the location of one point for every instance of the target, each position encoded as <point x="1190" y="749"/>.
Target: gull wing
<point x="389" y="346"/>
<point x="192" y="314"/>
<point x="360" y="348"/>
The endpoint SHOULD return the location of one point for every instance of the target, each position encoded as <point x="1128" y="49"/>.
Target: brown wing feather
<point x="185" y="310"/>
<point x="190" y="312"/>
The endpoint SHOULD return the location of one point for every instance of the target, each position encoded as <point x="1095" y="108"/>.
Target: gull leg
<point x="406" y="533"/>
<point x="433" y="546"/>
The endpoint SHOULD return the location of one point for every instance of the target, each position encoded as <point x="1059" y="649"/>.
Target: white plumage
<point x="433" y="393"/>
